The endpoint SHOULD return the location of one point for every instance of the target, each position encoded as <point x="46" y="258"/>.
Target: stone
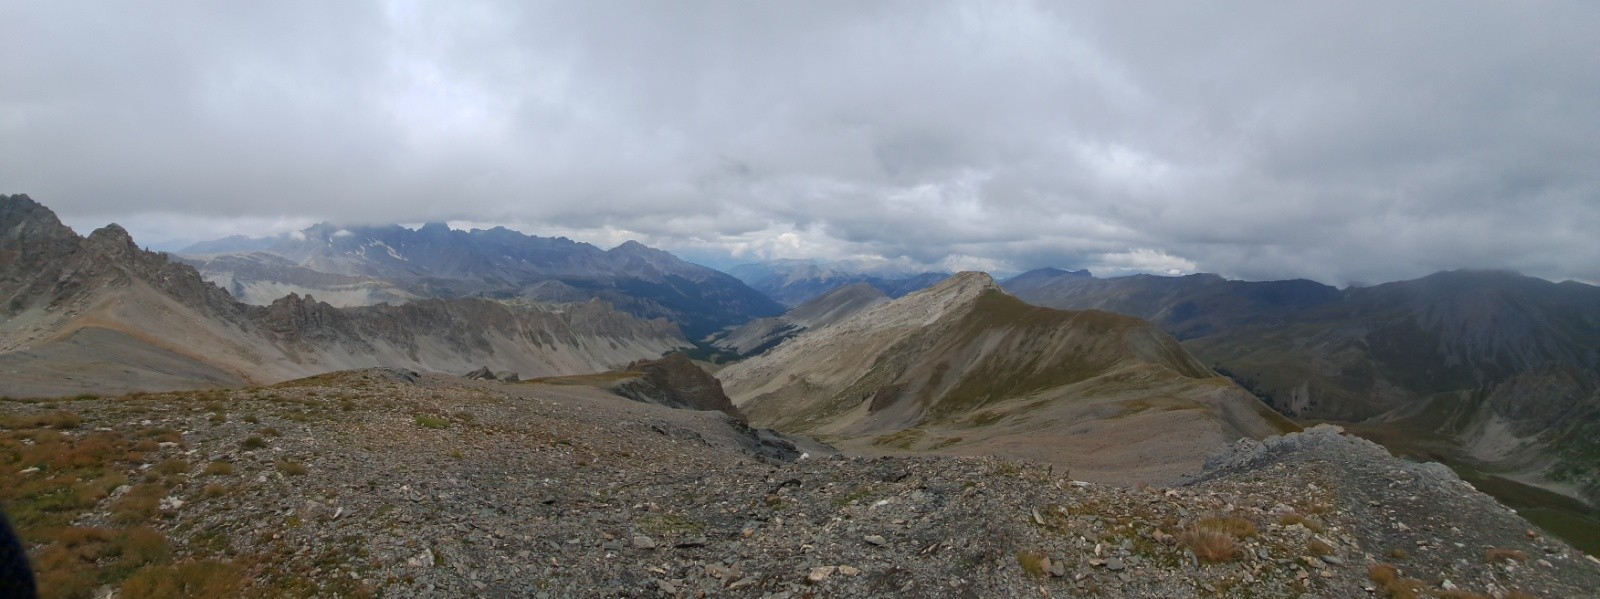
<point x="820" y="574"/>
<point x="877" y="540"/>
<point x="1114" y="564"/>
<point x="643" y="542"/>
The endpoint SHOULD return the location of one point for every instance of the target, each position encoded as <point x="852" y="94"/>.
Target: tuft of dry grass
<point x="1033" y="562"/>
<point x="1392" y="584"/>
<point x="1233" y="526"/>
<point x="1311" y="524"/>
<point x="140" y="503"/>
<point x="218" y="468"/>
<point x="291" y="468"/>
<point x="171" y="467"/>
<point x="1460" y="594"/>
<point x="59" y="419"/>
<point x="253" y="442"/>
<point x="1500" y="555"/>
<point x="1383" y="574"/>
<point x="1318" y="547"/>
<point x="205" y="579"/>
<point x="1213" y="546"/>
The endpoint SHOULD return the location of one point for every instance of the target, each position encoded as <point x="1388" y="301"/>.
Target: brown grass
<point x="1392" y="584"/>
<point x="59" y="419"/>
<point x="1293" y="518"/>
<point x="206" y="579"/>
<point x="218" y="468"/>
<point x="171" y="467"/>
<point x="1032" y="562"/>
<point x="1211" y="546"/>
<point x="1231" y="525"/>
<point x="1500" y="555"/>
<point x="1460" y="594"/>
<point x="291" y="468"/>
<point x="141" y="503"/>
<point x="1318" y="547"/>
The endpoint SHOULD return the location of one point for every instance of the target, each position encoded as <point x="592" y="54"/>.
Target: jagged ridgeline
<point x="964" y="368"/>
<point x="354" y="266"/>
<point x="98" y="314"/>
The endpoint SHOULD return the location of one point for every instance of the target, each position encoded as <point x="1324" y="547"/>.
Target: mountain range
<point x="1500" y="370"/>
<point x="97" y="314"/>
<point x="964" y="368"/>
<point x="793" y="282"/>
<point x="367" y="265"/>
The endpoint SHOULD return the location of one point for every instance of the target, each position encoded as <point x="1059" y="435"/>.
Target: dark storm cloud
<point x="1348" y="142"/>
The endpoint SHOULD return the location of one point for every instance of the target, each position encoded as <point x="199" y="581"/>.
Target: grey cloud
<point x="1349" y="142"/>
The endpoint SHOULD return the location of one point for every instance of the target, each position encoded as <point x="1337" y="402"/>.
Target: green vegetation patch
<point x="433" y="422"/>
<point x="664" y="524"/>
<point x="904" y="439"/>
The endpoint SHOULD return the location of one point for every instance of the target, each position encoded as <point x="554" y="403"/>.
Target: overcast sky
<point x="1348" y="142"/>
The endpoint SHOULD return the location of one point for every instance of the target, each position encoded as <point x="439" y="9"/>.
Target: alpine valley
<point x="348" y="411"/>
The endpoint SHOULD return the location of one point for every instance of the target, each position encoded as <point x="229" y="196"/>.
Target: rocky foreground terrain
<point x="387" y="483"/>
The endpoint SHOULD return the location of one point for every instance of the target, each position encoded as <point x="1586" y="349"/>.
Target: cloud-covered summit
<point x="1356" y="142"/>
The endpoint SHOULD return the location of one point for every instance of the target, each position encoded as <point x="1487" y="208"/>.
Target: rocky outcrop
<point x="676" y="381"/>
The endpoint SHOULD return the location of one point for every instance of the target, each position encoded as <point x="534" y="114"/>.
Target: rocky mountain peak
<point x="32" y="232"/>
<point x="634" y="247"/>
<point x="966" y="281"/>
<point x="114" y="238"/>
<point x="20" y="209"/>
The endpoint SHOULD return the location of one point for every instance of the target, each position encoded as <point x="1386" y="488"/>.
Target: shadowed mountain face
<point x="1505" y="368"/>
<point x="964" y="368"/>
<point x="794" y="282"/>
<point x="372" y="264"/>
<point x="98" y="314"/>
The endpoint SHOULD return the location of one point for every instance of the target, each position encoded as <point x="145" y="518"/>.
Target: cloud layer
<point x="1345" y="142"/>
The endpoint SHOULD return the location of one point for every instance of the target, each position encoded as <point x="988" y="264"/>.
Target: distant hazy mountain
<point x="98" y="314"/>
<point x="1504" y="367"/>
<point x="793" y="282"/>
<point x="964" y="368"/>
<point x="393" y="263"/>
<point x="762" y="334"/>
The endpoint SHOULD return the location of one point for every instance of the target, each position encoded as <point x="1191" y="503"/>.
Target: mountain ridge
<point x="129" y="319"/>
<point x="1502" y="368"/>
<point x="961" y="367"/>
<point x="794" y="282"/>
<point x="394" y="263"/>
